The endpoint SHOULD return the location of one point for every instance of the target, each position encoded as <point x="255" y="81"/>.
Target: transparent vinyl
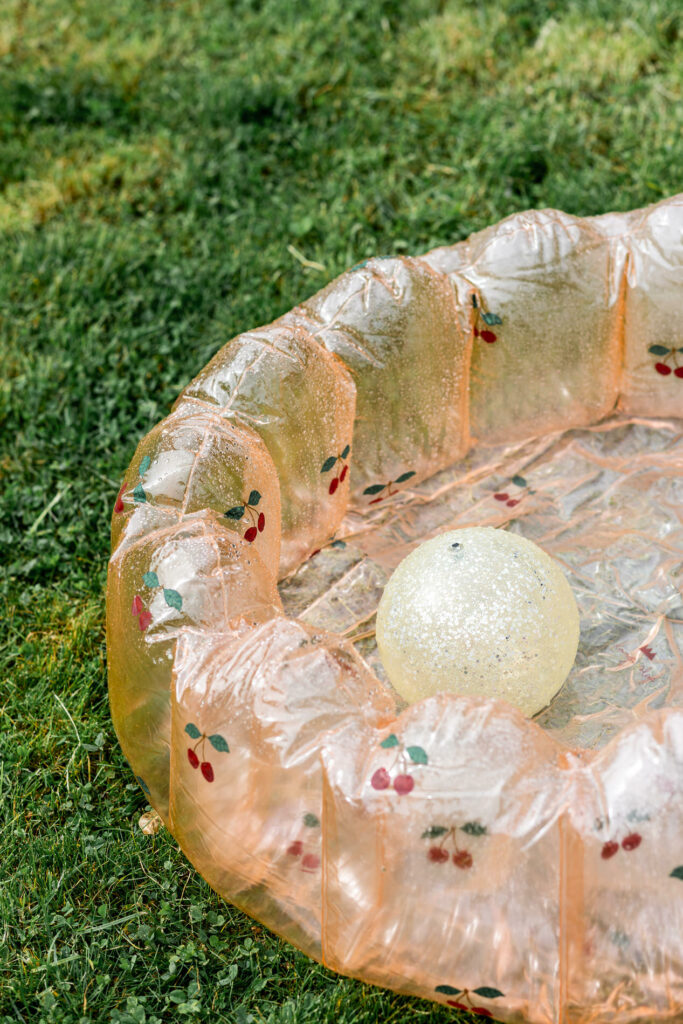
<point x="527" y="379"/>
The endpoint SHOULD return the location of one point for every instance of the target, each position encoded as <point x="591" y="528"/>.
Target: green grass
<point x="164" y="167"/>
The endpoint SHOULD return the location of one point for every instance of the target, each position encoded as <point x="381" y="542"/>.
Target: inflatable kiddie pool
<point x="527" y="378"/>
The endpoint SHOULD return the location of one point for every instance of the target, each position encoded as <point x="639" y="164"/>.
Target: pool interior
<point x="605" y="501"/>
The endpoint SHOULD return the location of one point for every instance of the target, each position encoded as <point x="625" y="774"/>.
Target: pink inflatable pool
<point x="529" y="378"/>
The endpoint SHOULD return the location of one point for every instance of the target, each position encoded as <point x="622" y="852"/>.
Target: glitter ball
<point x="482" y="612"/>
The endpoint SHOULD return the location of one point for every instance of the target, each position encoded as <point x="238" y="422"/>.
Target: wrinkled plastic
<point x="531" y="870"/>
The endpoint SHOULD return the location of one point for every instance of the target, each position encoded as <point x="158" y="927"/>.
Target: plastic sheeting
<point x="526" y="378"/>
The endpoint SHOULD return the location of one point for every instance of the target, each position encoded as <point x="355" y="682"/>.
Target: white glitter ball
<point x="481" y="612"/>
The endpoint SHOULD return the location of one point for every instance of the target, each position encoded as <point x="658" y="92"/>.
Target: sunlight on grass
<point x="578" y="53"/>
<point x="457" y="42"/>
<point x="117" y="38"/>
<point x="173" y="172"/>
<point x="126" y="170"/>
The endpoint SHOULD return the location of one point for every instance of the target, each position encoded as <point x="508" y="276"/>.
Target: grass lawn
<point x="173" y="172"/>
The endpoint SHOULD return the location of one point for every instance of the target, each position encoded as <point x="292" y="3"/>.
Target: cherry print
<point x="215" y="740"/>
<point x="461" y="858"/>
<point x="258" y="519"/>
<point x="461" y="998"/>
<point x="668" y="356"/>
<point x="119" y="506"/>
<point x="172" y="598"/>
<point x="139" y="494"/>
<point x="138" y="491"/>
<point x="488" y="318"/>
<point x="631" y="842"/>
<point x="309" y="861"/>
<point x="404" y="757"/>
<point x="507" y="497"/>
<point x="609" y="849"/>
<point x="403" y="784"/>
<point x="380" y="489"/>
<point x="330" y="462"/>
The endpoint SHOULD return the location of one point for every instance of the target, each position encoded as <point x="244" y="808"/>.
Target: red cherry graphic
<point x="631" y="842"/>
<point x="512" y="502"/>
<point x="403" y="784"/>
<point x="261" y="522"/>
<point x="137" y="605"/>
<point x="145" y="619"/>
<point x="250" y="534"/>
<point x="462" y="859"/>
<point x="295" y="849"/>
<point x="663" y="369"/>
<point x="381" y="779"/>
<point x="207" y="770"/>
<point x="342" y="475"/>
<point x="609" y="849"/>
<point x="488" y="336"/>
<point x="438" y="855"/>
<point x="375" y="500"/>
<point x="476" y="332"/>
<point x="310" y="861"/>
<point x="678" y="372"/>
<point x="119" y="506"/>
<point x="334" y="484"/>
<point x="457" y="1005"/>
<point x="482" y="1011"/>
<point x="501" y="496"/>
<point x="192" y="758"/>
